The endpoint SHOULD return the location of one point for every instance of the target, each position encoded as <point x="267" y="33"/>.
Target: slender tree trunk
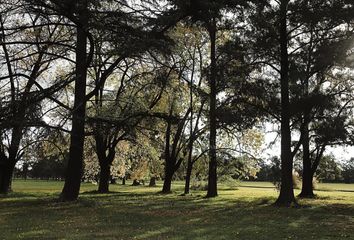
<point x="71" y="188"/>
<point x="188" y="177"/>
<point x="123" y="180"/>
<point x="169" y="163"/>
<point x="191" y="140"/>
<point x="105" y="172"/>
<point x="212" y="177"/>
<point x="286" y="196"/>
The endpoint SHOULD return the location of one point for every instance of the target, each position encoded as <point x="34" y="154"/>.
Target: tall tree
<point x="325" y="37"/>
<point x="73" y="177"/>
<point x="286" y="196"/>
<point x="211" y="16"/>
<point x="288" y="46"/>
<point x="39" y="41"/>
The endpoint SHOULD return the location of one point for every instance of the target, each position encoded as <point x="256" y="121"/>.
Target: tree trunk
<point x="136" y="182"/>
<point x="212" y="177"/>
<point x="105" y="172"/>
<point x="307" y="185"/>
<point x="188" y="177"/>
<point x="152" y="182"/>
<point x="123" y="180"/>
<point x="286" y="196"/>
<point x="167" y="181"/>
<point x="71" y="188"/>
<point x="307" y="176"/>
<point x="6" y="174"/>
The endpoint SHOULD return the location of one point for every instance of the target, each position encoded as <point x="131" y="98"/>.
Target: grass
<point x="33" y="212"/>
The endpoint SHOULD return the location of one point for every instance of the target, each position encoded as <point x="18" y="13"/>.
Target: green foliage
<point x="348" y="171"/>
<point x="329" y="170"/>
<point x="237" y="168"/>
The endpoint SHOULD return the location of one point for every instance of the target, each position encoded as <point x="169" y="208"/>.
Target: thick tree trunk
<point x="6" y="174"/>
<point x="212" y="177"/>
<point x="71" y="188"/>
<point x="168" y="178"/>
<point x="307" y="185"/>
<point x="167" y="183"/>
<point x="286" y="196"/>
<point x="105" y="172"/>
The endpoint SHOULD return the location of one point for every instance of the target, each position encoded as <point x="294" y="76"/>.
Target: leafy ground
<point x="33" y="212"/>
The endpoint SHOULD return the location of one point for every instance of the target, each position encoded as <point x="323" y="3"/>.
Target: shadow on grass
<point x="150" y="215"/>
<point x="95" y="192"/>
<point x="266" y="187"/>
<point x="26" y="195"/>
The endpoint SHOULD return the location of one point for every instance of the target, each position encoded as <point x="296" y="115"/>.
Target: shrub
<point x="315" y="183"/>
<point x="198" y="185"/>
<point x="296" y="182"/>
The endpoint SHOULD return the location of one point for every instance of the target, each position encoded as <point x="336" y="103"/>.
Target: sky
<point x="341" y="154"/>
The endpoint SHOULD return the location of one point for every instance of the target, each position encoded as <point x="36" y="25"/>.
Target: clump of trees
<point x="178" y="90"/>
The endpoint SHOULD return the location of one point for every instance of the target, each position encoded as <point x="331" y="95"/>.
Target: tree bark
<point x="167" y="182"/>
<point x="105" y="172"/>
<point x="212" y="177"/>
<point x="307" y="175"/>
<point x="123" y="180"/>
<point x="152" y="182"/>
<point x="71" y="188"/>
<point x="168" y="158"/>
<point x="6" y="174"/>
<point x="9" y="162"/>
<point x="307" y="185"/>
<point x="188" y="177"/>
<point x="286" y="196"/>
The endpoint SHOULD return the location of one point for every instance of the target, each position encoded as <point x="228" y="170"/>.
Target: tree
<point x="210" y="15"/>
<point x="117" y="116"/>
<point x="285" y="47"/>
<point x="73" y="177"/>
<point x="39" y="41"/>
<point x="173" y="146"/>
<point x="329" y="170"/>
<point x="348" y="171"/>
<point x="317" y="39"/>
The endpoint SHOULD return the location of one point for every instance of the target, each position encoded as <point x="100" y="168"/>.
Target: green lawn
<point x="33" y="212"/>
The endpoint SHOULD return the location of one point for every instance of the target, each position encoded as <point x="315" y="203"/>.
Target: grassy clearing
<point x="140" y="213"/>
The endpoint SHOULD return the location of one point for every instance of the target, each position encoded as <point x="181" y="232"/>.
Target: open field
<point x="33" y="212"/>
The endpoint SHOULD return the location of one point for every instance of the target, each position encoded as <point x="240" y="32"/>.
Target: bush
<point x="230" y="182"/>
<point x="315" y="183"/>
<point x="197" y="185"/>
<point x="296" y="182"/>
